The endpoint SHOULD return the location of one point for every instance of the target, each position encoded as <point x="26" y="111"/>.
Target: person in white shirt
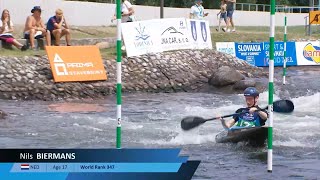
<point x="127" y="12"/>
<point x="127" y="15"/>
<point x="6" y="29"/>
<point x="197" y="10"/>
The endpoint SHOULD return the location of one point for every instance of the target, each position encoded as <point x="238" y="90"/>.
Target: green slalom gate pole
<point x="119" y="86"/>
<point x="271" y="75"/>
<point x="285" y="49"/>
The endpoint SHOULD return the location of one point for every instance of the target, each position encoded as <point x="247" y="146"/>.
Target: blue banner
<point x="279" y="54"/>
<point x="83" y="164"/>
<point x="91" y="155"/>
<point x="250" y="52"/>
<point x="257" y="54"/>
<point x="93" y="167"/>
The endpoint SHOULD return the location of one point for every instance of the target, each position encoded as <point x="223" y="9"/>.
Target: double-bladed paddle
<point x="280" y="106"/>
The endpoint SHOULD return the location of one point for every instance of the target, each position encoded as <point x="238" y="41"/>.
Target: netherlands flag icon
<point x="24" y="166"/>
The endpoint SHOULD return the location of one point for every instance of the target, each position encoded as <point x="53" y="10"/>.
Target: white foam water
<point x="292" y="130"/>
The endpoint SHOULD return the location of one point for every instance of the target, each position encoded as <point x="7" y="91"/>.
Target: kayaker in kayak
<point x="252" y="115"/>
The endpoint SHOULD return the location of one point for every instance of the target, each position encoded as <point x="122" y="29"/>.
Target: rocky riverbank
<point x="31" y="78"/>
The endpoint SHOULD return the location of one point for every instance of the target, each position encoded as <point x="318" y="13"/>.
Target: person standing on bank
<point x="197" y="10"/>
<point x="58" y="27"/>
<point x="127" y="15"/>
<point x="127" y="12"/>
<point x="230" y="11"/>
<point x="223" y="14"/>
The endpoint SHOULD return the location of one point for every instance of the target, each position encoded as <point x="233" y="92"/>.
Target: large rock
<point x="243" y="84"/>
<point x="30" y="77"/>
<point x="225" y="76"/>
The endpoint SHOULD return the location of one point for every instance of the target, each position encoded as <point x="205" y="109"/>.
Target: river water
<point x="153" y="121"/>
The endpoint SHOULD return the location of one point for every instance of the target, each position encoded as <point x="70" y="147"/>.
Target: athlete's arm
<point x="263" y="115"/>
<point x="227" y="124"/>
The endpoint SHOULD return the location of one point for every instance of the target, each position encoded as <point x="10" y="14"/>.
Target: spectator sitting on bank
<point x="35" y="28"/>
<point x="197" y="10"/>
<point x="6" y="29"/>
<point x="58" y="27"/>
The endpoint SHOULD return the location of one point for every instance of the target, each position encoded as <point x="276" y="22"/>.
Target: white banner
<point x="226" y="47"/>
<point x="308" y="53"/>
<point x="174" y="34"/>
<point x="141" y="37"/>
<point x="160" y="35"/>
<point x="200" y="34"/>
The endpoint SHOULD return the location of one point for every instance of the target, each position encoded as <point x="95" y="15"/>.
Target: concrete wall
<point x="98" y="14"/>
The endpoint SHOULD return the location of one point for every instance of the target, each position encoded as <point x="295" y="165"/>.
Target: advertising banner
<point x="279" y="54"/>
<point x="308" y="53"/>
<point x="226" y="47"/>
<point x="141" y="37"/>
<point x="250" y="52"/>
<point x="76" y="63"/>
<point x="314" y="17"/>
<point x="257" y="54"/>
<point x="174" y="34"/>
<point x="200" y="34"/>
<point x="160" y="35"/>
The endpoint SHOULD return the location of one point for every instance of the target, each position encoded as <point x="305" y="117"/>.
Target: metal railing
<point x="245" y="7"/>
<point x="307" y="26"/>
<point x="310" y="28"/>
<point x="252" y="7"/>
<point x="279" y="8"/>
<point x="98" y="1"/>
<point x="297" y="9"/>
